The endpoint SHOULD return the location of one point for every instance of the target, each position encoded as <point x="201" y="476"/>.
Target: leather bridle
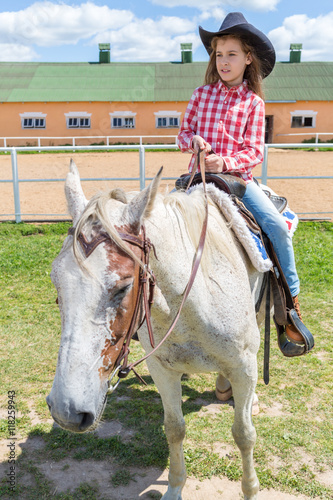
<point x="147" y="282"/>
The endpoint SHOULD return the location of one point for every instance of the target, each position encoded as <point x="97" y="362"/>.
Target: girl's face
<point x="231" y="61"/>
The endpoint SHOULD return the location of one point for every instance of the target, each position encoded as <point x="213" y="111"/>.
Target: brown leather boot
<point x="291" y="331"/>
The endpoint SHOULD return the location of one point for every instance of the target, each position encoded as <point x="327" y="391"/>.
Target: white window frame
<point x="33" y="120"/>
<point x="168" y="118"/>
<point x="303" y="114"/>
<point x="78" y="119"/>
<point x="123" y="119"/>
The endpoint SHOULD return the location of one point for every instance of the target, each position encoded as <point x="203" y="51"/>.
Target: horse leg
<point x="169" y="386"/>
<point x="223" y="392"/>
<point x="223" y="388"/>
<point x="243" y="386"/>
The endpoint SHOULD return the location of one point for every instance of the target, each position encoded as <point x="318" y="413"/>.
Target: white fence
<point x="15" y="180"/>
<point x="312" y="134"/>
<point x="140" y="139"/>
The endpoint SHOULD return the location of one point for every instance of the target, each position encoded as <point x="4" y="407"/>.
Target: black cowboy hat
<point x="235" y="23"/>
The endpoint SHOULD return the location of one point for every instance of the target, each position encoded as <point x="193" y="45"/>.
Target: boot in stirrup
<point x="294" y="339"/>
<point x="291" y="331"/>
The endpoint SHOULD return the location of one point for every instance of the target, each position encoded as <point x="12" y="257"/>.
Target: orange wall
<point x="282" y="120"/>
<point x="10" y="124"/>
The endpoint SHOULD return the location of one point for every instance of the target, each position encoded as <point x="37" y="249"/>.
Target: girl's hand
<point x="214" y="164"/>
<point x="199" y="144"/>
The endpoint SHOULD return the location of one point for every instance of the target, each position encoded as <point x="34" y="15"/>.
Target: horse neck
<point x="167" y="230"/>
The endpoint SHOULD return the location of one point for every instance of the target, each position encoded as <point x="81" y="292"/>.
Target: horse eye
<point x="120" y="294"/>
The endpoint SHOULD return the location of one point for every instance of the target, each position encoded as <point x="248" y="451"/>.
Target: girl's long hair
<point x="253" y="71"/>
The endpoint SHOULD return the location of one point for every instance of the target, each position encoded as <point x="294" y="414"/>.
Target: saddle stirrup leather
<point x="285" y="313"/>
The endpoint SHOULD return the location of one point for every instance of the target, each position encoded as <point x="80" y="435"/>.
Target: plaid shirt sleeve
<point x="189" y="125"/>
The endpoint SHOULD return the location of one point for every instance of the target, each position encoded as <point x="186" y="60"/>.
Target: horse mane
<point x="95" y="217"/>
<point x="189" y="208"/>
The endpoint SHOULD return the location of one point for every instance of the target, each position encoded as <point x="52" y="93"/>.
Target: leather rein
<point x="147" y="282"/>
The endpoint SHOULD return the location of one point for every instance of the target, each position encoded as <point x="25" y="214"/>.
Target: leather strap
<point x="267" y="327"/>
<point x="89" y="246"/>
<point x="196" y="262"/>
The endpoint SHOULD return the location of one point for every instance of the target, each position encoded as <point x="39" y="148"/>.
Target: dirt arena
<point x="41" y="199"/>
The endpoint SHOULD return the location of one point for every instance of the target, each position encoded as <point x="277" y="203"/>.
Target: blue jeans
<point x="274" y="225"/>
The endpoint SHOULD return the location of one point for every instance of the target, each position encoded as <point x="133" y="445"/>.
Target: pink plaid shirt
<point x="232" y="121"/>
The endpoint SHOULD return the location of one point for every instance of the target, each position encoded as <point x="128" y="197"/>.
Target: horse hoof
<point x="223" y="395"/>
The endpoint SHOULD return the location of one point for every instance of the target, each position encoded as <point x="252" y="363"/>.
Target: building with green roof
<point x="119" y="100"/>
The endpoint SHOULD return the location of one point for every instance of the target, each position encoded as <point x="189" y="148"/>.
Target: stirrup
<point x="287" y="346"/>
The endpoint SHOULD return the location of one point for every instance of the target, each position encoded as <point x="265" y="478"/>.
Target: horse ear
<point x="141" y="206"/>
<point x="76" y="201"/>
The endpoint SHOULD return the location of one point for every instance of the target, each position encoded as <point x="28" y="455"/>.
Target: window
<point x="167" y="122"/>
<point x="305" y="118"/>
<point x="167" y="119"/>
<point x="123" y="123"/>
<point x="33" y="120"/>
<point x="122" y="119"/>
<point x="78" y="123"/>
<point x="78" y="119"/>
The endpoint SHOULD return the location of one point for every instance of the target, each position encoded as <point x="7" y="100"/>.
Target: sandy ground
<point x="147" y="483"/>
<point x="304" y="195"/>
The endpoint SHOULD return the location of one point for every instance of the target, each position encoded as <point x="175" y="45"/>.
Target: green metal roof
<point x="62" y="82"/>
<point x="307" y="81"/>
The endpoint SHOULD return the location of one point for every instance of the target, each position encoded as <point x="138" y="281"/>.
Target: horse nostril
<point x="87" y="420"/>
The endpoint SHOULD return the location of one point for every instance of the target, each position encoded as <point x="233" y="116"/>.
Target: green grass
<point x="294" y="428"/>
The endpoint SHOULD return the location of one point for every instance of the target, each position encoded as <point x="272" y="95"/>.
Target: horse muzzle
<point x="79" y="419"/>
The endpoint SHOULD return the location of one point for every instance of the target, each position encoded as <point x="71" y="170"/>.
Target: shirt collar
<point x="240" y="89"/>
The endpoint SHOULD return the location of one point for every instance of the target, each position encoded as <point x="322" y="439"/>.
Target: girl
<point x="226" y="118"/>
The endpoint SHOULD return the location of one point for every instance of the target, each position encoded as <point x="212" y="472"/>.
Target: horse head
<point x="96" y="277"/>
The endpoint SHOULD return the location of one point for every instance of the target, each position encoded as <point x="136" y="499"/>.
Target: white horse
<point x="217" y="330"/>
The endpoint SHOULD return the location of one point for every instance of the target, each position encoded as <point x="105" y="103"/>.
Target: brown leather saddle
<point x="234" y="186"/>
<point x="284" y="312"/>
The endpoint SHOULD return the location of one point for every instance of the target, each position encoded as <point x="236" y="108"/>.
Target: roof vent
<point x="186" y="50"/>
<point x="104" y="52"/>
<point x="295" y="52"/>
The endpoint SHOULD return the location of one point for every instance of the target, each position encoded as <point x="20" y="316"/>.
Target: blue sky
<point x="152" y="30"/>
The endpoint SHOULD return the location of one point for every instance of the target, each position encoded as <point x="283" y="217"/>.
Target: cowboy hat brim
<point x="262" y="45"/>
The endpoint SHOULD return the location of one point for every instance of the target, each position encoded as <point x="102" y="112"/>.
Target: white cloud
<point x="48" y="24"/>
<point x="12" y="52"/>
<point x="213" y="13"/>
<point x="316" y="35"/>
<point x="149" y="40"/>
<point x="206" y="5"/>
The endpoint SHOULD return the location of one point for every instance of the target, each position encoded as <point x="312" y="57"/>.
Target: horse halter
<point x="145" y="295"/>
<point x="121" y="368"/>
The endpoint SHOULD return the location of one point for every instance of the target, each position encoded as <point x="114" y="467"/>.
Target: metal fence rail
<point x="140" y="139"/>
<point x="15" y="180"/>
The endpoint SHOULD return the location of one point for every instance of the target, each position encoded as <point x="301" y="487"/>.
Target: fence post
<point x="264" y="166"/>
<point x="142" y="168"/>
<point x="16" y="186"/>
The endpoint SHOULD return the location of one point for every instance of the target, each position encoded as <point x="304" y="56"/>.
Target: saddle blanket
<point x="250" y="241"/>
